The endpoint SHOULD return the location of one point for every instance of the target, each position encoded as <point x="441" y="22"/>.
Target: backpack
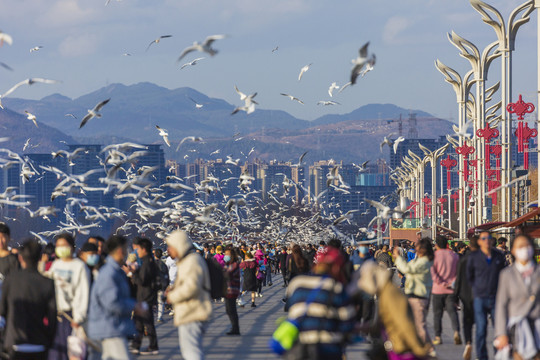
<point x="161" y="280"/>
<point x="217" y="279"/>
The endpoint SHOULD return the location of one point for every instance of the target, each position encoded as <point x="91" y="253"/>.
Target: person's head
<point x="158" y="253"/>
<point x="89" y="254"/>
<point x="424" y="248"/>
<point x="523" y="249"/>
<point x="484" y="241"/>
<point x="249" y="255"/>
<point x="142" y="246"/>
<point x="335" y="243"/>
<point x="230" y="255"/>
<point x="116" y="247"/>
<point x="64" y="246"/>
<point x="330" y="263"/>
<point x="419" y="236"/>
<point x="322" y="244"/>
<point x="219" y="249"/>
<point x="363" y="250"/>
<point x="501" y="243"/>
<point x="384" y="248"/>
<point x="29" y="254"/>
<point x="441" y="242"/>
<point x="5" y="236"/>
<point x="48" y="252"/>
<point x="98" y="241"/>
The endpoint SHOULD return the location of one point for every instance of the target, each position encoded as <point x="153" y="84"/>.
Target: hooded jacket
<point x="190" y="294"/>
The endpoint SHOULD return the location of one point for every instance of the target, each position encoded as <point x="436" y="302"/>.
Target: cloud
<point x="66" y="13"/>
<point x="394" y="27"/>
<point x="78" y="45"/>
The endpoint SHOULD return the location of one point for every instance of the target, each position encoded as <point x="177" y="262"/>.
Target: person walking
<point x="164" y="280"/>
<point x="8" y="261"/>
<point x="232" y="279"/>
<point x="418" y="284"/>
<point x="443" y="274"/>
<point x="517" y="309"/>
<point x="250" y="267"/>
<point x="72" y="285"/>
<point x="111" y="305"/>
<point x="283" y="264"/>
<point x="144" y="279"/>
<point x="464" y="292"/>
<point x="297" y="263"/>
<point x="190" y="294"/>
<point x="483" y="269"/>
<point x="28" y="304"/>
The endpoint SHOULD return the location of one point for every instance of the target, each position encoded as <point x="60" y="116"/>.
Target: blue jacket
<point x="111" y="304"/>
<point x="483" y="275"/>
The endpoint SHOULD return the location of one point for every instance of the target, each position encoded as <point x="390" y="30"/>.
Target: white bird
<point x="92" y="113"/>
<point x="462" y="132"/>
<point x="5" y="38"/>
<point x="31" y="117"/>
<point x="126" y="54"/>
<point x="71" y="115"/>
<point x="303" y="70"/>
<point x="369" y="67"/>
<point x="362" y="167"/>
<point x="332" y="175"/>
<point x="327" y="102"/>
<point x="275" y="49"/>
<point x="361" y="61"/>
<point x="197" y="105"/>
<point x="396" y="143"/>
<point x="347" y="216"/>
<point x="387" y="141"/>
<point x="385" y="212"/>
<point x="189" y="138"/>
<point x="205" y="46"/>
<point x="249" y="103"/>
<point x="232" y="161"/>
<point x="30" y="81"/>
<point x="293" y="98"/>
<point x="164" y="134"/>
<point x="331" y="89"/>
<point x="36" y="48"/>
<point x="192" y="63"/>
<point x="156" y="41"/>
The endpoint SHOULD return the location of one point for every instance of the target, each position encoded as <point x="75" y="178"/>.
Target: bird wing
<point x="85" y="120"/>
<point x="101" y="104"/>
<point x="165" y="36"/>
<point x="364" y="50"/>
<point x="302" y="157"/>
<point x="152" y="42"/>
<point x="242" y="95"/>
<point x="210" y="39"/>
<point x="364" y="164"/>
<point x="354" y="73"/>
<point x="185" y="52"/>
<point x="15" y="87"/>
<point x="166" y="139"/>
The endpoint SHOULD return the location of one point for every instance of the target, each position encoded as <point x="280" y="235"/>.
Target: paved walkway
<point x="257" y="325"/>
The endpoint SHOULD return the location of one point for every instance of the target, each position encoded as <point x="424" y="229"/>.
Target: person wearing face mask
<point x="89" y="254"/>
<point x="72" y="283"/>
<point x="517" y="309"/>
<point x="232" y="280"/>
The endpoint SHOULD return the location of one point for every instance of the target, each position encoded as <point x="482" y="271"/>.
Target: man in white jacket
<point x="190" y="295"/>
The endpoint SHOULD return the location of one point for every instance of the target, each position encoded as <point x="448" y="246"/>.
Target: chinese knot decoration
<point x="427" y="207"/>
<point x="448" y="163"/>
<point x="487" y="133"/>
<point x="465" y="150"/>
<point x="455" y="197"/>
<point x="497" y="151"/>
<point x="523" y="132"/>
<point x="442" y="201"/>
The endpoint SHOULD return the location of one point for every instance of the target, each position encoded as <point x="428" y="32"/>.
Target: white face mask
<point x="524" y="253"/>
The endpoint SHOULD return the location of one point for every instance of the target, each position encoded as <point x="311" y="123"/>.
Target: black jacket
<point x="484" y="276"/>
<point x="144" y="280"/>
<point x="462" y="287"/>
<point x="28" y="299"/>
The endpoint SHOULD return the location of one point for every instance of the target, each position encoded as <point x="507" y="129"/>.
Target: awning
<point x="524" y="218"/>
<point x="486" y="226"/>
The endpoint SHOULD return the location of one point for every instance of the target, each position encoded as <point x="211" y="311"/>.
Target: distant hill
<point x="18" y="129"/>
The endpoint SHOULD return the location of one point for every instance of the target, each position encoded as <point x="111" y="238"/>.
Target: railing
<point x="412" y="223"/>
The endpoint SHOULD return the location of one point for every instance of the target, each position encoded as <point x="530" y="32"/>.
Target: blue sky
<point x="84" y="41"/>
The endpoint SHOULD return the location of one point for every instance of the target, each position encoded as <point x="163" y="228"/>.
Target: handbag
<point x="287" y="332"/>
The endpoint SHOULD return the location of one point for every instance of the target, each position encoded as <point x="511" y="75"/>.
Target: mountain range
<point x="134" y="111"/>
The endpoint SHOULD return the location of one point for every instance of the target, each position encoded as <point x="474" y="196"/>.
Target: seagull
<point x="93" y="112"/>
<point x="205" y="46"/>
<point x="5" y="38"/>
<point x="275" y="49"/>
<point x="126" y="54"/>
<point x="462" y="132"/>
<point x="30" y="81"/>
<point x="332" y="175"/>
<point x="249" y="103"/>
<point x="369" y="67"/>
<point x="331" y="89"/>
<point x="232" y="161"/>
<point x="362" y="167"/>
<point x="293" y="98"/>
<point x="347" y="216"/>
<point x="300" y="160"/>
<point x="396" y="143"/>
<point x="163" y="133"/>
<point x="31" y="117"/>
<point x="156" y="41"/>
<point x="360" y="62"/>
<point x="36" y="48"/>
<point x="328" y="102"/>
<point x="303" y="70"/>
<point x="71" y="115"/>
<point x="189" y="138"/>
<point x="192" y="63"/>
<point x="197" y="105"/>
<point x="384" y="211"/>
<point x="387" y="141"/>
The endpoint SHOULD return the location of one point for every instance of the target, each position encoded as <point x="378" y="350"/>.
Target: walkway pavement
<point x="258" y="324"/>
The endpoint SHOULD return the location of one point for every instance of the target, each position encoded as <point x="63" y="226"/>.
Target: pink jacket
<point x="219" y="259"/>
<point x="259" y="255"/>
<point x="444" y="271"/>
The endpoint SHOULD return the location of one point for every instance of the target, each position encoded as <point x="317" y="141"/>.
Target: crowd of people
<point x="100" y="300"/>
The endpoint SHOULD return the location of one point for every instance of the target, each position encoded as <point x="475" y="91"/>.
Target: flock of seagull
<point x="210" y="213"/>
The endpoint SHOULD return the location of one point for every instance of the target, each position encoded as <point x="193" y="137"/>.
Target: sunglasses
<point x="484" y="238"/>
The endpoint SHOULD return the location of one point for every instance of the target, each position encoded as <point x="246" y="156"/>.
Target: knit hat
<point x="180" y="241"/>
<point x="219" y="249"/>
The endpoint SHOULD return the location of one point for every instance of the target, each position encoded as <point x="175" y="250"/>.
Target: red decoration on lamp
<point x="448" y="163"/>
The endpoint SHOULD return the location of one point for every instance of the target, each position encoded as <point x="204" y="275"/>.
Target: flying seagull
<point x="396" y="143"/>
<point x="331" y="89"/>
<point x="31" y="117"/>
<point x="156" y="41"/>
<point x="328" y="102"/>
<point x="93" y="112"/>
<point x="189" y="138"/>
<point x="361" y="61"/>
<point x="191" y="63"/>
<point x="29" y="81"/>
<point x="205" y="46"/>
<point x="36" y="48"/>
<point x="303" y="70"/>
<point x="71" y="115"/>
<point x="275" y="49"/>
<point x="197" y="105"/>
<point x="293" y="98"/>
<point x="164" y="134"/>
<point x="387" y="141"/>
<point x="462" y="132"/>
<point x="5" y="38"/>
